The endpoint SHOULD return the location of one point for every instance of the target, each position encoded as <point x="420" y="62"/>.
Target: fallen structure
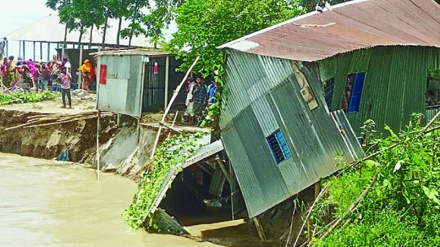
<point x="300" y="90"/>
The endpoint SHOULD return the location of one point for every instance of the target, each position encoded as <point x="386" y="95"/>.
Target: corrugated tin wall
<point x="264" y="95"/>
<point x="122" y="91"/>
<point x="395" y="82"/>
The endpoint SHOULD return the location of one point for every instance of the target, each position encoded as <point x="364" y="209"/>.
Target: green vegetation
<point x="13" y="98"/>
<point x="174" y="150"/>
<point x="391" y="198"/>
<point x="205" y="25"/>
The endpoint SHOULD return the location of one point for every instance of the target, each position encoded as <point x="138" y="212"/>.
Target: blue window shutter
<point x="357" y="92"/>
<point x="278" y="146"/>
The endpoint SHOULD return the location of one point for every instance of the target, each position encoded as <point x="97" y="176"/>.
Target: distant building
<point x="291" y="85"/>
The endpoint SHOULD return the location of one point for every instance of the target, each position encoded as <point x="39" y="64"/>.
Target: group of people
<point x="31" y="75"/>
<point x="16" y="74"/>
<point x="198" y="98"/>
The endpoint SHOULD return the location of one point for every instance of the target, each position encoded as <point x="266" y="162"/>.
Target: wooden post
<point x="48" y="51"/>
<point x="167" y="76"/>
<point x="98" y="120"/>
<point x="138" y="129"/>
<point x="33" y="48"/>
<point x="41" y="50"/>
<point x="317" y="188"/>
<point x="260" y="229"/>
<point x="80" y="62"/>
<point x="172" y="124"/>
<point x="223" y="168"/>
<point x="176" y="91"/>
<point x="309" y="223"/>
<point x="7" y="48"/>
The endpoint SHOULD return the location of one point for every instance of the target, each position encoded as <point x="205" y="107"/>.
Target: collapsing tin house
<point x="292" y="87"/>
<point x="134" y="82"/>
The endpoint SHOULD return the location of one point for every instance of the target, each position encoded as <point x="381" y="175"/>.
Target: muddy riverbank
<point x="124" y="149"/>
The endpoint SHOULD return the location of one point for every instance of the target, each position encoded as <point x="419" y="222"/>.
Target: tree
<point x="64" y="9"/>
<point x="204" y="25"/>
<point x="160" y="15"/>
<point x="135" y="15"/>
<point x="310" y="4"/>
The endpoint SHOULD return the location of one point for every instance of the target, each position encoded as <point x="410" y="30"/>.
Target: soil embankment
<point x="44" y="130"/>
<point x="46" y="137"/>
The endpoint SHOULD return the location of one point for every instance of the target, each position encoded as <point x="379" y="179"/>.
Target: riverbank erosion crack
<point x="47" y="135"/>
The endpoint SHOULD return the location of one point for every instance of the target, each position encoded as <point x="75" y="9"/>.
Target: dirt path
<point x="54" y="106"/>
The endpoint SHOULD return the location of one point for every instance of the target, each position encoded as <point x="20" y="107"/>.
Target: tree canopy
<point x="204" y="25"/>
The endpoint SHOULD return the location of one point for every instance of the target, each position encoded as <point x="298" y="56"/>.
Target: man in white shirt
<point x="67" y="65"/>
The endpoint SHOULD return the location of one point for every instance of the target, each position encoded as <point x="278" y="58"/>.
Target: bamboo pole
<point x="259" y="228"/>
<point x="223" y="168"/>
<point x="97" y="142"/>
<point x="1" y="81"/>
<point x="167" y="75"/>
<point x="309" y="212"/>
<point x="59" y="122"/>
<point x="176" y="91"/>
<point x="172" y="124"/>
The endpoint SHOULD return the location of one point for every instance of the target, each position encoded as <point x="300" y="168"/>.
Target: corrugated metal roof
<point x="203" y="153"/>
<point x="151" y="52"/>
<point x="349" y="26"/>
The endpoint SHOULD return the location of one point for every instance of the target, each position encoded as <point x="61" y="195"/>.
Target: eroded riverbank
<point x="118" y="155"/>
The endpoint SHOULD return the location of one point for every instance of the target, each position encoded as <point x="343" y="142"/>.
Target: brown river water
<point x="50" y="203"/>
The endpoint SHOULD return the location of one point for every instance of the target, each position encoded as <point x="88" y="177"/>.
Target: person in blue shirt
<point x="211" y="92"/>
<point x="199" y="96"/>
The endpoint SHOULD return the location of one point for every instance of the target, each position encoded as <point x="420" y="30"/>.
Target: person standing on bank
<point x="66" y="78"/>
<point x="199" y="93"/>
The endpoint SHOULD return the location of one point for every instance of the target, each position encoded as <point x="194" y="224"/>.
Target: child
<point x="189" y="112"/>
<point x="66" y="78"/>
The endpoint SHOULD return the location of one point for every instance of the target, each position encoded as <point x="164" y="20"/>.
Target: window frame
<point x="278" y="145"/>
<point x="355" y="85"/>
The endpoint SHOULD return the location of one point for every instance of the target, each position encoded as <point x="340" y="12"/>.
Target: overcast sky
<point x="17" y="13"/>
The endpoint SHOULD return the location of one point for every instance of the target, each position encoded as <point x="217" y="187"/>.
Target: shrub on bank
<point x="17" y="98"/>
<point x="389" y="199"/>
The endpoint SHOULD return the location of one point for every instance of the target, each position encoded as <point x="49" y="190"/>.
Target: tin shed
<point x="296" y="89"/>
<point x="135" y="81"/>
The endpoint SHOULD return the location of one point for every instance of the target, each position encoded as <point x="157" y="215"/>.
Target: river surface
<point x="50" y="203"/>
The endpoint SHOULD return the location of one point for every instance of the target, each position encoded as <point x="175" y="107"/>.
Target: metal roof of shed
<point x="205" y="152"/>
<point x="151" y="52"/>
<point x="346" y="27"/>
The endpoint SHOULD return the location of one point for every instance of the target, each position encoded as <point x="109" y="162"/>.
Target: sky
<point x="16" y="14"/>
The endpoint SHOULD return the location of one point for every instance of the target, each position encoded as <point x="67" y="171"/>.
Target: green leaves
<point x="432" y="194"/>
<point x="14" y="98"/>
<point x="406" y="192"/>
<point x="205" y="25"/>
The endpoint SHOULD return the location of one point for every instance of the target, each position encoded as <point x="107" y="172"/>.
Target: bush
<point x="14" y="98"/>
<point x="402" y="207"/>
